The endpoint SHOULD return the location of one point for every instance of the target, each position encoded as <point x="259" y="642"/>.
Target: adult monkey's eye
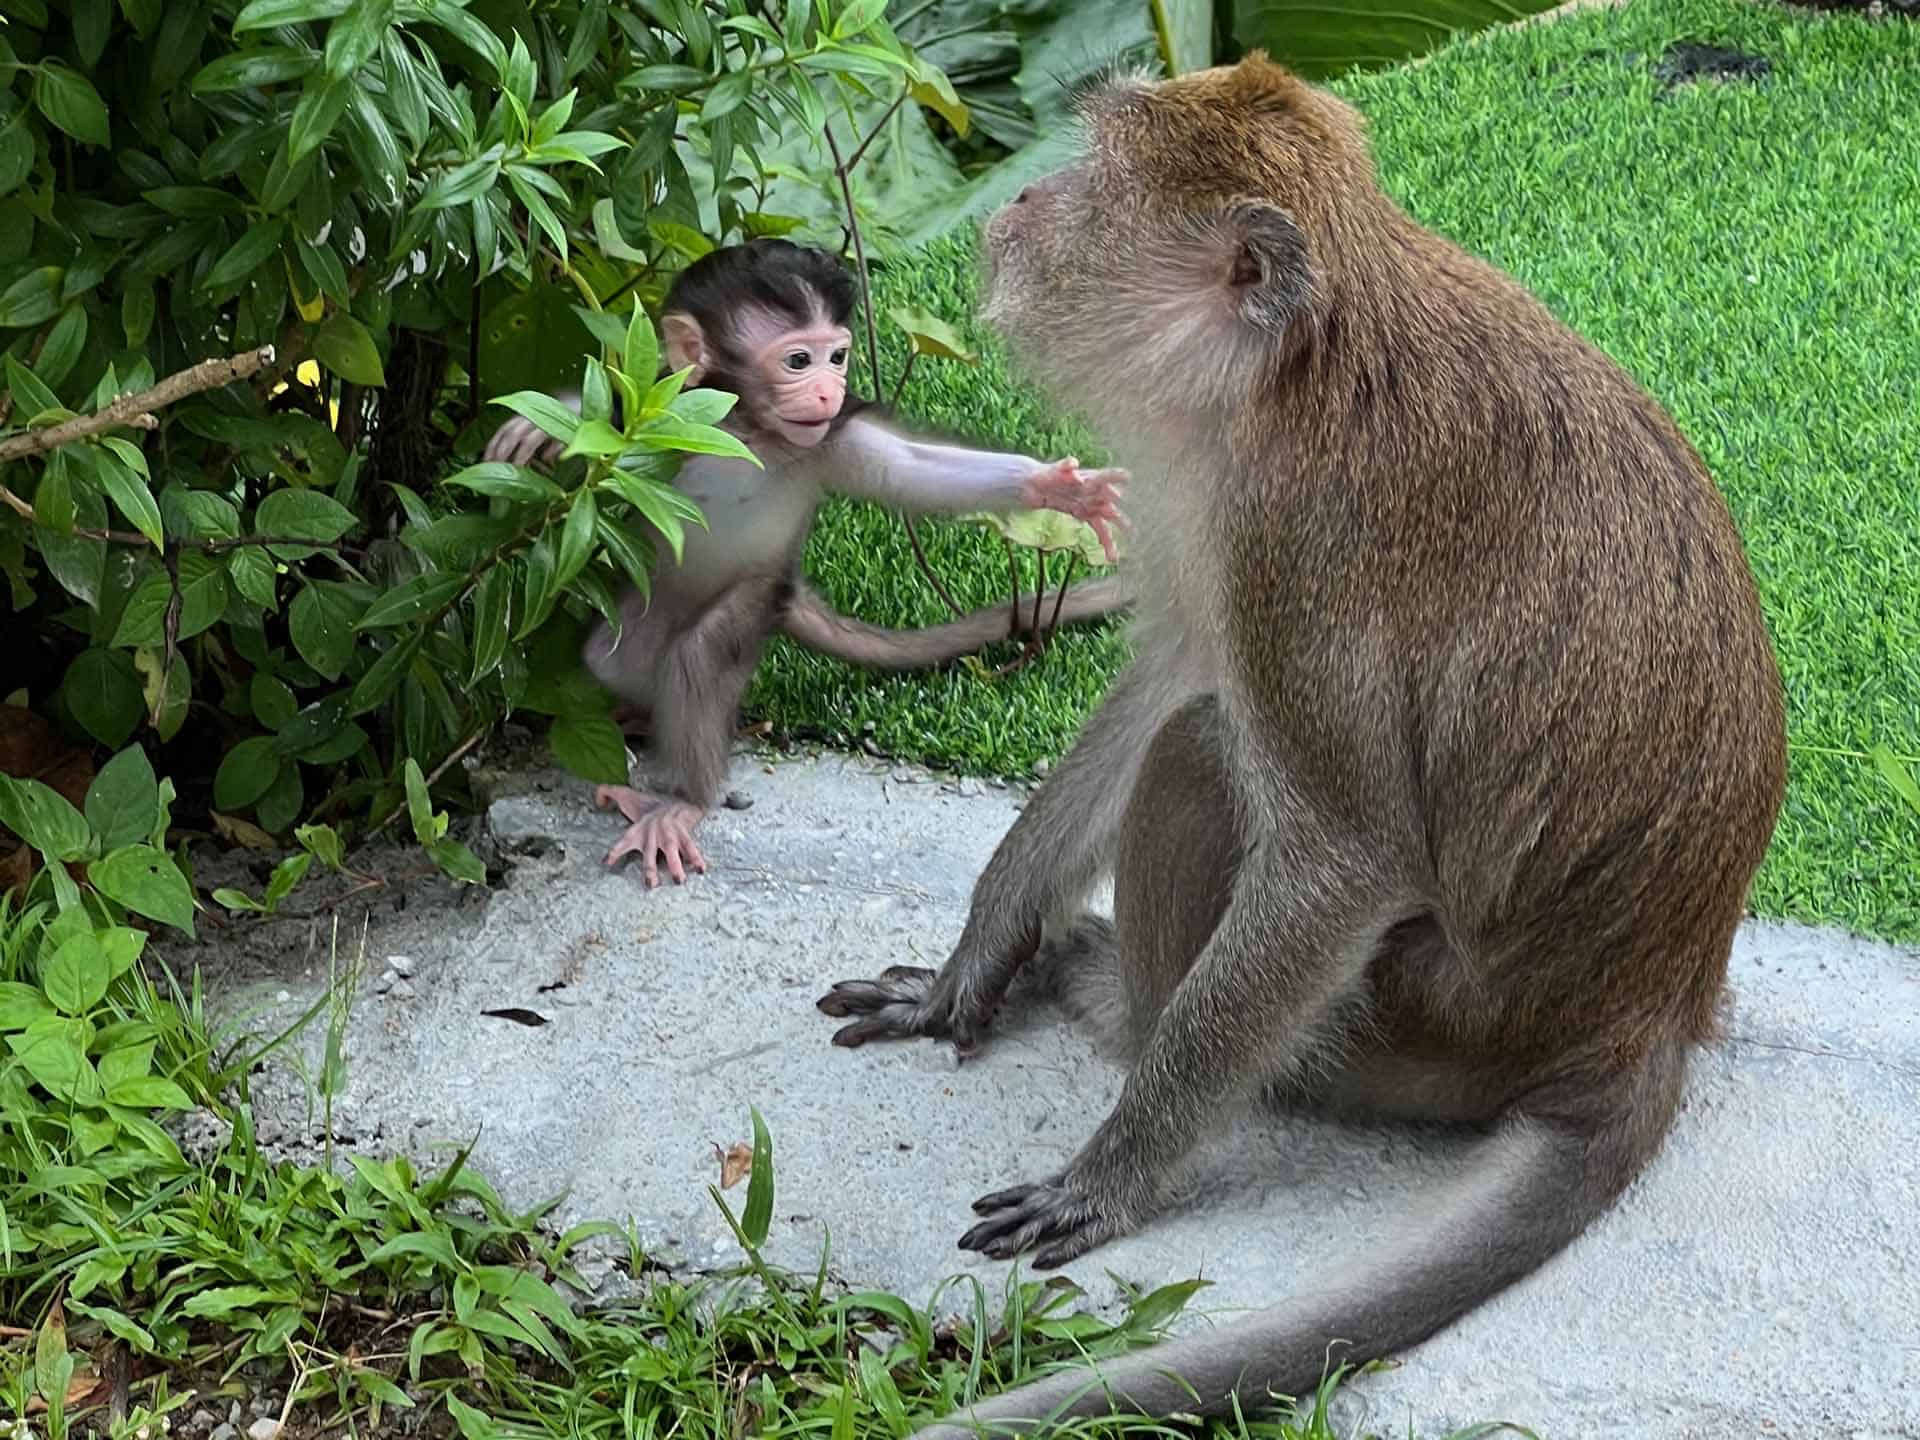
<point x="798" y="360"/>
<point x="839" y="357"/>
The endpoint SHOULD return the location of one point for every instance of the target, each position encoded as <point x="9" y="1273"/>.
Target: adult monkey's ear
<point x="1268" y="273"/>
<point x="685" y="344"/>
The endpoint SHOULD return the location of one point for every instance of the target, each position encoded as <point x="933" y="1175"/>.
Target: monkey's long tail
<point x="1528" y="1191"/>
<point x="818" y="626"/>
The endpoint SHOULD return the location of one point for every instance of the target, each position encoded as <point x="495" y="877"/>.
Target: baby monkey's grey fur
<point x="1452" y="744"/>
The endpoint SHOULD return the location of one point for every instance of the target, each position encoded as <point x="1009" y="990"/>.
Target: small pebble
<point x="738" y="800"/>
<point x="204" y="1419"/>
<point x="400" y="964"/>
<point x="1042" y="767"/>
<point x="265" y="1428"/>
<point x="967" y="789"/>
<point x="223" y="1431"/>
<point x="402" y="990"/>
<point x="383" y="982"/>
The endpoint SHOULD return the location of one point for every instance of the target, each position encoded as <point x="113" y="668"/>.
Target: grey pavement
<point x="1763" y="1279"/>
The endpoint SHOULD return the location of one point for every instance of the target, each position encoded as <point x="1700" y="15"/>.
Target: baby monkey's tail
<point x="817" y="625"/>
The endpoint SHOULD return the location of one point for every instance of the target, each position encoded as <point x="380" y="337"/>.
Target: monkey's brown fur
<point x="1453" y="743"/>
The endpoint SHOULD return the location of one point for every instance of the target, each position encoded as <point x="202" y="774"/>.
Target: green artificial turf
<point x="1747" y="248"/>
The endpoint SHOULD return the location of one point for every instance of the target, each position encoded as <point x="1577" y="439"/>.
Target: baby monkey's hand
<point x="1089" y="495"/>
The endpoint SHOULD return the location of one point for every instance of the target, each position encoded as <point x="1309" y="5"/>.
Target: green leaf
<point x="246" y="255"/>
<point x="576" y="540"/>
<point x="123" y="802"/>
<point x="492" y="620"/>
<point x="703" y="406"/>
<point x="32" y="299"/>
<point x="136" y="311"/>
<point x="460" y="185"/>
<point x="287" y="874"/>
<point x="383" y="676"/>
<point x="1897" y="775"/>
<point x="246" y="773"/>
<point x="321" y="620"/>
<point x="61" y="349"/>
<point x="147" y="882"/>
<point x="302" y="515"/>
<point x="76" y="975"/>
<point x="1319" y="41"/>
<point x="1047" y="530"/>
<point x="1184" y="29"/>
<point x="662" y="506"/>
<point x="43" y="818"/>
<point x="408" y="602"/>
<point x="273" y="700"/>
<point x="54" y="1052"/>
<point x="928" y="334"/>
<point x="322" y="841"/>
<point x="271" y="14"/>
<point x="21" y="1005"/>
<point x="323" y="267"/>
<point x="666" y="432"/>
<point x="545" y="411"/>
<point x="594" y="437"/>
<point x="253" y="69"/>
<point x="131" y="498"/>
<point x="253" y="576"/>
<point x="68" y="99"/>
<point x="103" y="691"/>
<point x="203" y="600"/>
<point x="509" y="482"/>
<point x="322" y="102"/>
<point x="353" y="38"/>
<point x="591" y="746"/>
<point x="457" y="861"/>
<point x="150" y="1092"/>
<point x="857" y="16"/>
<point x="346" y="347"/>
<point x="641" y="357"/>
<point x="758" y="1215"/>
<point x="225" y="1301"/>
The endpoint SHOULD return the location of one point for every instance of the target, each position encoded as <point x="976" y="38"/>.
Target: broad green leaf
<point x="407" y="603"/>
<point x="1184" y="29"/>
<point x="302" y="515"/>
<point x="508" y="481"/>
<point x="103" y="691"/>
<point x="1896" y="774"/>
<point x="60" y="351"/>
<point x="147" y="882"/>
<point x="252" y="575"/>
<point x="703" y="406"/>
<point x="596" y="438"/>
<point x="32" y="299"/>
<point x="465" y="182"/>
<point x="928" y="334"/>
<point x="353" y="38"/>
<point x="271" y="14"/>
<point x="130" y="497"/>
<point x="545" y="411"/>
<point x="273" y="700"/>
<point x="321" y="621"/>
<point x="346" y="347"/>
<point x="1049" y="530"/>
<point x="123" y="802"/>
<point x="665" y="508"/>
<point x="1319" y="41"/>
<point x="44" y="818"/>
<point x="137" y="310"/>
<point x="54" y="1052"/>
<point x="376" y="687"/>
<point x="665" y="432"/>
<point x="203" y="600"/>
<point x="641" y="358"/>
<point x="247" y="254"/>
<point x="287" y="874"/>
<point x="76" y="975"/>
<point x="457" y="861"/>
<point x="21" y="1005"/>
<point x="252" y="69"/>
<point x="149" y="1092"/>
<point x="68" y="99"/>
<point x="591" y="746"/>
<point x="226" y="1301"/>
<point x="246" y="772"/>
<point x="576" y="540"/>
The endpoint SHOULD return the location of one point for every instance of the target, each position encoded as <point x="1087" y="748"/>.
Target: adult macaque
<point x="1452" y="744"/>
<point x="767" y="320"/>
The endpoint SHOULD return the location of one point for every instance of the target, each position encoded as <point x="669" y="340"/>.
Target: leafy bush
<point x="301" y="244"/>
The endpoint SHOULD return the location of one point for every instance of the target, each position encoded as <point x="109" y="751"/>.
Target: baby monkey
<point x="769" y="321"/>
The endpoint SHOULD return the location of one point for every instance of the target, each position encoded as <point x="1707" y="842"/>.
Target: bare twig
<point x="841" y="170"/>
<point x="1073" y="559"/>
<point x="136" y="411"/>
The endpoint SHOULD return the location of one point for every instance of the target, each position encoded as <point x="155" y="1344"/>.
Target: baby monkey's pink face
<point x="803" y="375"/>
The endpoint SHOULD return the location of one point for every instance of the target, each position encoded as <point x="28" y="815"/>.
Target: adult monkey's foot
<point x="903" y="1002"/>
<point x="661" y="828"/>
<point x="1058" y="1215"/>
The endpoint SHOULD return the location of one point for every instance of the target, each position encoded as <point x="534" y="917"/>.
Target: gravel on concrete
<point x="1762" y="1279"/>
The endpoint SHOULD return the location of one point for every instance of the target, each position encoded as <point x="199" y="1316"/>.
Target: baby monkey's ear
<point x="1268" y="273"/>
<point x="685" y="344"/>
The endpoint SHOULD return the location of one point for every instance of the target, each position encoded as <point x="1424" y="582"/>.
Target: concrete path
<point x="1763" y="1280"/>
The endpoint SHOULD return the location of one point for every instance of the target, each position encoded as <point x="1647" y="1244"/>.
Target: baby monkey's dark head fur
<point x="724" y="311"/>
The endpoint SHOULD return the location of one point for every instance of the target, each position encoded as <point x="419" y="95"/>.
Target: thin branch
<point x="1073" y="559"/>
<point x="840" y="168"/>
<point x="878" y="126"/>
<point x="137" y="410"/>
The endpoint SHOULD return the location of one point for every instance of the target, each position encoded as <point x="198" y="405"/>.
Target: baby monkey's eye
<point x="839" y="358"/>
<point x="798" y="360"/>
